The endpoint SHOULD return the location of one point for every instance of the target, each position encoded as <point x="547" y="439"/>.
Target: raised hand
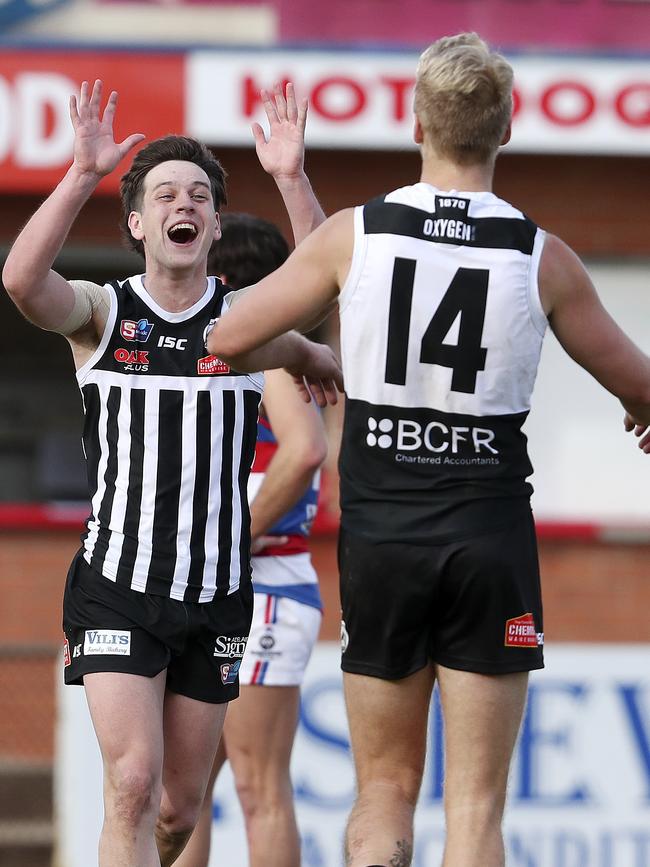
<point x="95" y="150"/>
<point x="282" y="155"/>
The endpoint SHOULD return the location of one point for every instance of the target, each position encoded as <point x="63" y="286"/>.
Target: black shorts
<point x="473" y="605"/>
<point x="109" y="627"/>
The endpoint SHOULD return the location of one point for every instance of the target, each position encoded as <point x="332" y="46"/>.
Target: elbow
<point x="226" y="348"/>
<point x="224" y="352"/>
<point x="18" y="282"/>
<point x="311" y="455"/>
<point x="11" y="281"/>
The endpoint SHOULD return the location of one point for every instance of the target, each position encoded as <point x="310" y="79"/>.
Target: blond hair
<point x="463" y="98"/>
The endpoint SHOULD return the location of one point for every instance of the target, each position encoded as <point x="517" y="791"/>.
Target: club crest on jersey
<point x="229" y="671"/>
<point x="137" y="332"/>
<point x="211" y="365"/>
<point x="134" y="360"/>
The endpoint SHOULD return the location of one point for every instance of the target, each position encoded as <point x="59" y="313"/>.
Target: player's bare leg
<point x="482" y="716"/>
<point x="127" y="713"/>
<point x="259" y="733"/>
<point x="192" y="731"/>
<point x="197" y="851"/>
<point x="388" y="730"/>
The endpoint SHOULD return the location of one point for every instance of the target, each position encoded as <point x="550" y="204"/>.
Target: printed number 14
<point x="466" y="295"/>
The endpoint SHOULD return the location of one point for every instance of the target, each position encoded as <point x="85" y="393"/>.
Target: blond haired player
<point x="444" y="293"/>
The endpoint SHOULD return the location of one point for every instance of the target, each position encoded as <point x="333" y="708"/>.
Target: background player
<point x="259" y="728"/>
<point x="444" y="293"/>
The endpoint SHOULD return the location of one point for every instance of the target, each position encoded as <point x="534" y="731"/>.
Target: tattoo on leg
<point x="403" y="854"/>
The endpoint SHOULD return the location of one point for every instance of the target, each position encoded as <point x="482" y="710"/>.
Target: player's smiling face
<point x="176" y="221"/>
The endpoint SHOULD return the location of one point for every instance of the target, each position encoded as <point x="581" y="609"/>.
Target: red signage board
<point x="35" y="88"/>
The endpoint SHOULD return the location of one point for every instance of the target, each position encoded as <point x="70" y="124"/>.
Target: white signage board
<point x="364" y="99"/>
<point x="579" y="792"/>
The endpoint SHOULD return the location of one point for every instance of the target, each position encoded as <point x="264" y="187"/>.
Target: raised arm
<point x="302" y="448"/>
<point x="251" y="335"/>
<point x="297" y="293"/>
<point x="283" y="156"/>
<point x="42" y="295"/>
<point x="591" y="337"/>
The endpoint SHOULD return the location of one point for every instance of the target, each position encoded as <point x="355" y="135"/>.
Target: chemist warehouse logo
<point x="435" y="438"/>
<point x="521" y="632"/>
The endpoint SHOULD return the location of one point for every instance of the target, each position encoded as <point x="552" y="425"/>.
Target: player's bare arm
<point x="591" y="337"/>
<point x="295" y="295"/>
<point x="283" y="155"/>
<point x="40" y="293"/>
<point x="302" y="448"/>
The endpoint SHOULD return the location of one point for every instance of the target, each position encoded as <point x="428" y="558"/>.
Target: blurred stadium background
<point x="577" y="164"/>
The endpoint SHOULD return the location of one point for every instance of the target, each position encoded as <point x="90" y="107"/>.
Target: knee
<point x="132" y="793"/>
<point x="177" y="819"/>
<point x="476" y="809"/>
<point x="263" y="793"/>
<point x="172" y="832"/>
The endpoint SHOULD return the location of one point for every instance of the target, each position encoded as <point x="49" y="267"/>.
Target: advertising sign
<point x="364" y="100"/>
<point x="357" y="100"/>
<point x="579" y="793"/>
<point x="35" y="130"/>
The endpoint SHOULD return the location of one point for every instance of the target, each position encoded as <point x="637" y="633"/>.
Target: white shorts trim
<point x="283" y="634"/>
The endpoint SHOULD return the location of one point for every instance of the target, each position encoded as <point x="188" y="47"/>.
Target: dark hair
<point x="170" y="147"/>
<point x="248" y="250"/>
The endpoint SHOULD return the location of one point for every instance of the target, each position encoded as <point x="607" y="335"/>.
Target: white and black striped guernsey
<point x="441" y="333"/>
<point x="169" y="439"/>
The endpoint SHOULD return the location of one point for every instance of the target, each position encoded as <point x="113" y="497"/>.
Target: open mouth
<point x="182" y="233"/>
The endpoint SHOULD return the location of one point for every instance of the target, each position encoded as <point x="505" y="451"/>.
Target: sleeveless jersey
<point x="300" y="584"/>
<point x="441" y="333"/>
<point x="169" y="439"/>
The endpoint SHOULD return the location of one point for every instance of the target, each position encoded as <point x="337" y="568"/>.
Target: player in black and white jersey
<point x="158" y="601"/>
<point x="444" y="293"/>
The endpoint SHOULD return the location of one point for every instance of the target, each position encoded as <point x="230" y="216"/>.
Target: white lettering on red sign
<point x="365" y="100"/>
<point x="35" y="128"/>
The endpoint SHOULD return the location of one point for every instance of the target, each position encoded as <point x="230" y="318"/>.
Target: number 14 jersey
<point x="441" y="333"/>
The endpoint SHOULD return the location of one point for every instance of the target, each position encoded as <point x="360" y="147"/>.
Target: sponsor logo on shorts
<point x="267" y="641"/>
<point x="521" y="632"/>
<point x="107" y="642"/>
<point x="232" y="647"/>
<point x="345" y="638"/>
<point x="229" y="671"/>
<point x="136" y="331"/>
<point x="66" y="651"/>
<point x="211" y="365"/>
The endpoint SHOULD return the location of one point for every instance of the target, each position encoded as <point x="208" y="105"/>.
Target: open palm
<point x="95" y="149"/>
<point x="282" y="155"/>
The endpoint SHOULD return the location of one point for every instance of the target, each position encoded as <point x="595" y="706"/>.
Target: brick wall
<point x="593" y="592"/>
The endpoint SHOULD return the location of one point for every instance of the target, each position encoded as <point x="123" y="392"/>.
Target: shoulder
<point x="561" y="273"/>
